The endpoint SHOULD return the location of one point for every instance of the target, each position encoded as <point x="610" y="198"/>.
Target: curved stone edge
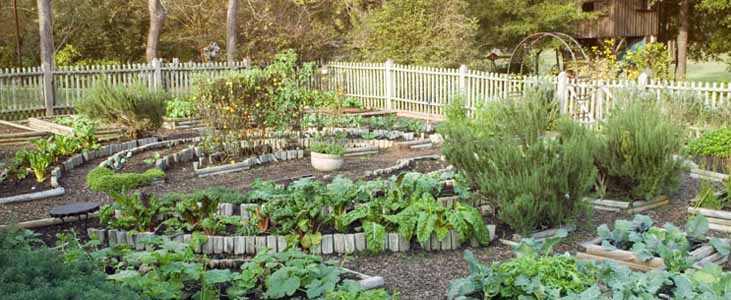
<point x="142" y="147"/>
<point x="70" y="164"/>
<point x="401" y="164"/>
<point x="539" y="235"/>
<point x="331" y="244"/>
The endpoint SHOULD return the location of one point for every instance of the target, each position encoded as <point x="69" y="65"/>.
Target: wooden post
<point x="389" y="84"/>
<point x="157" y="74"/>
<point x="463" y="80"/>
<point x="45" y="24"/>
<point x="562" y="91"/>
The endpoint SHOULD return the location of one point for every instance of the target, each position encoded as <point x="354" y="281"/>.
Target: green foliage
<point x="245" y="103"/>
<point x="178" y="108"/>
<point x="669" y="242"/>
<point x="715" y="143"/>
<point x="136" y="107"/>
<point x="43" y="274"/>
<point x="533" y="179"/>
<point x="636" y="156"/>
<point x="139" y="212"/>
<point x="708" y="198"/>
<point x="327" y="148"/>
<point x="102" y="179"/>
<point x="422" y="32"/>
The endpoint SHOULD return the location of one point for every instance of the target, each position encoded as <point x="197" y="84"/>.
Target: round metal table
<point x="76" y="209"/>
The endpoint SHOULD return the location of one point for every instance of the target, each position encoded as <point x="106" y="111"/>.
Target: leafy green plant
<point x="636" y="156"/>
<point x="178" y="108"/>
<point x="151" y="161"/>
<point x="140" y="212"/>
<point x="669" y="242"/>
<point x="39" y="162"/>
<point x="532" y="179"/>
<point x="101" y="179"/>
<point x="712" y="143"/>
<point x="136" y="107"/>
<point x="327" y="148"/>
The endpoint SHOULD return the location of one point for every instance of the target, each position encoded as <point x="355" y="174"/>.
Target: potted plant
<point x="327" y="156"/>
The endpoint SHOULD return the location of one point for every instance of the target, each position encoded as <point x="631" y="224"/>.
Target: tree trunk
<point x="231" y="30"/>
<point x="157" y="18"/>
<point x="682" y="65"/>
<point x="17" y="35"/>
<point x="45" y="30"/>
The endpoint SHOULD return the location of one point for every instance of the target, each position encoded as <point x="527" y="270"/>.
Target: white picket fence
<point x="424" y="91"/>
<point x="412" y="90"/>
<point x="22" y="93"/>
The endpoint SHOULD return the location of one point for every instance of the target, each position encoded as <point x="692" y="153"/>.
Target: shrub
<point x="534" y="180"/>
<point x="136" y="107"/>
<point x="635" y="158"/>
<point x="104" y="180"/>
<point x="713" y="143"/>
<point x="42" y="274"/>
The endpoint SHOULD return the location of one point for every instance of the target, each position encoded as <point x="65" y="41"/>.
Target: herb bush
<point x="136" y="107"/>
<point x="102" y="179"/>
<point x="29" y="272"/>
<point x="532" y="179"/>
<point x="636" y="156"/>
<point x="668" y="242"/>
<point x="534" y="275"/>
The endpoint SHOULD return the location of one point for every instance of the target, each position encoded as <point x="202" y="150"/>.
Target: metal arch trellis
<point x="569" y="43"/>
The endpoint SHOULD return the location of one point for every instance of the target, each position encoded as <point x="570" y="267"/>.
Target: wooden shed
<point x="619" y="19"/>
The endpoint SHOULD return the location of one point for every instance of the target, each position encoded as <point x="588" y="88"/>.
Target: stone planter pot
<point x="326" y="162"/>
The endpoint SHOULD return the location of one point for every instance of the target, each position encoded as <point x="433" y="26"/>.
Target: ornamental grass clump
<point x="533" y="179"/>
<point x="636" y="156"/>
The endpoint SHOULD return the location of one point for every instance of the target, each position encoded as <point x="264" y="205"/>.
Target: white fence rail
<point x="424" y="91"/>
<point x="22" y="93"/>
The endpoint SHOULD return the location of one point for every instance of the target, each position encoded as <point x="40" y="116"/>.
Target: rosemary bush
<point x="636" y="156"/>
<point x="533" y="179"/>
<point x="136" y="107"/>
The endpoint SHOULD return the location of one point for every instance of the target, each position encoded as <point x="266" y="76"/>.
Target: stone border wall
<point x="251" y="245"/>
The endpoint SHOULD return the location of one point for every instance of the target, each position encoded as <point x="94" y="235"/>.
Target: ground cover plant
<point x="635" y="157"/>
<point x="533" y="179"/>
<point x="668" y="242"/>
<point x="179" y="108"/>
<point x="105" y="180"/>
<point x="539" y="274"/>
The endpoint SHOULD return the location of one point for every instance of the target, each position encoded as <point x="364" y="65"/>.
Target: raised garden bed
<point x="539" y="235"/>
<point x="639" y="245"/>
<point x="630" y="207"/>
<point x="714" y="205"/>
<point x="182" y="123"/>
<point x="16" y="134"/>
<point x="48" y="124"/>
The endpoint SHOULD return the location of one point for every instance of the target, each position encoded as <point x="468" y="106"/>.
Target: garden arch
<point x="569" y="46"/>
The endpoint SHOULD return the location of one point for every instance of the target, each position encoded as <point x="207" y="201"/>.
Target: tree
<point x="503" y="23"/>
<point x="157" y="18"/>
<point x="45" y="29"/>
<point x="231" y="32"/>
<point x="424" y="32"/>
<point x="681" y="67"/>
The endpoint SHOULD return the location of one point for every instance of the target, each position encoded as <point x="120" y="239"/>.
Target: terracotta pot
<point x="326" y="162"/>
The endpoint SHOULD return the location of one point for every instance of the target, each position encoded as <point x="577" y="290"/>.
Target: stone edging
<point x="719" y="220"/>
<point x="401" y="164"/>
<point x="70" y="164"/>
<point x="145" y="147"/>
<point x="538" y="236"/>
<point x="251" y="245"/>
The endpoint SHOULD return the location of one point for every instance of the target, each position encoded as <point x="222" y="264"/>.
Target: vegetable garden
<point x="259" y="187"/>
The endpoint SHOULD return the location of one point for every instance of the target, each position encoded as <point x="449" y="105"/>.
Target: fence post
<point x="643" y="80"/>
<point x="157" y="74"/>
<point x="463" y="79"/>
<point x="389" y="84"/>
<point x="562" y="91"/>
